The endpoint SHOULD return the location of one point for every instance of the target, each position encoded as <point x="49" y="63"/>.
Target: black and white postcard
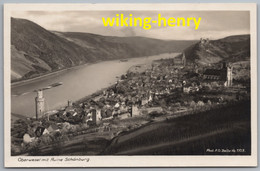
<point x="130" y="85"/>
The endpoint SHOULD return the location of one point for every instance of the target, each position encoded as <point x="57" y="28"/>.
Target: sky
<point x="213" y="25"/>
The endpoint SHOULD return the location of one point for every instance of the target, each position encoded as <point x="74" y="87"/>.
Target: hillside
<point x="125" y="47"/>
<point x="220" y="128"/>
<point x="36" y="51"/>
<point x="230" y="49"/>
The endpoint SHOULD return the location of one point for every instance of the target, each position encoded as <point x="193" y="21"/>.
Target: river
<point x="78" y="82"/>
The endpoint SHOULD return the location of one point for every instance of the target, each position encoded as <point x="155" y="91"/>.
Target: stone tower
<point x="96" y="116"/>
<point x="134" y="110"/>
<point x="229" y="75"/>
<point x="70" y="103"/>
<point x="39" y="102"/>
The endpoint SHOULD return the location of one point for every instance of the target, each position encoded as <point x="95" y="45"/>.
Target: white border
<point x="135" y="161"/>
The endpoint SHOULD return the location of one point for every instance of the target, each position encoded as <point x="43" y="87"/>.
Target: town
<point x="166" y="89"/>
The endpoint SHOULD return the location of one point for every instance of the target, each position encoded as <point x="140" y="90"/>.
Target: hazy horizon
<point x="214" y="24"/>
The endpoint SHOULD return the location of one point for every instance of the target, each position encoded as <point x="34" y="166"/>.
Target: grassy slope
<point x="224" y="128"/>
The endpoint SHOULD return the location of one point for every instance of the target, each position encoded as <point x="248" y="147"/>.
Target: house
<point x="123" y="108"/>
<point x="65" y="126"/>
<point x="117" y="105"/>
<point x="150" y="98"/>
<point x="106" y="127"/>
<point x="190" y="88"/>
<point x="186" y="89"/>
<point x="74" y="114"/>
<point x="53" y="128"/>
<point x="144" y="101"/>
<point x="27" y="138"/>
<point x="41" y="131"/>
<point x="87" y="117"/>
<point x="215" y="74"/>
<point x="115" y="112"/>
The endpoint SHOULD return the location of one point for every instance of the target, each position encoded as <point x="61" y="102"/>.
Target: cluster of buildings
<point x="130" y="95"/>
<point x="136" y="90"/>
<point x="36" y="130"/>
<point x="135" y="93"/>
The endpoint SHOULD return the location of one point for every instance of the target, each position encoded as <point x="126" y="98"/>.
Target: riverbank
<point x="26" y="81"/>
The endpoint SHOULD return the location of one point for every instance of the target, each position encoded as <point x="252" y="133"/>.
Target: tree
<point x="192" y="104"/>
<point x="200" y="103"/>
<point x="123" y="77"/>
